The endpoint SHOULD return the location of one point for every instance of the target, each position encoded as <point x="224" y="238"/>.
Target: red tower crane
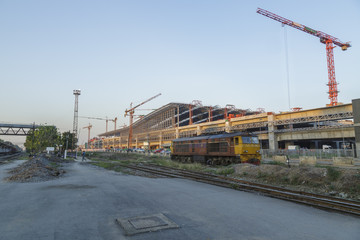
<point x="131" y="112"/>
<point x="327" y="39"/>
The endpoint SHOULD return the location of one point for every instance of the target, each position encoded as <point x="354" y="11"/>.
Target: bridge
<point x="17" y="129"/>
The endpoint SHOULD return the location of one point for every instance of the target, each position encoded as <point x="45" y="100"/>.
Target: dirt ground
<point x="333" y="181"/>
<point x="339" y="182"/>
<point x="37" y="169"/>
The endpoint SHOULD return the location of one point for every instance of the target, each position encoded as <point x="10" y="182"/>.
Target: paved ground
<point x="86" y="201"/>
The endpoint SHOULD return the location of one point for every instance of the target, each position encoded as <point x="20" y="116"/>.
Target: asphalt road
<point x="85" y="202"/>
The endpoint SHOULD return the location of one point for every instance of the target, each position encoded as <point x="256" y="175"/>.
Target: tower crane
<point x="88" y="127"/>
<point x="327" y="39"/>
<point x="131" y="112"/>
<point x="106" y="119"/>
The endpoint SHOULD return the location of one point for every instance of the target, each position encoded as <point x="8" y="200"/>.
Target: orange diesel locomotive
<point x="220" y="149"/>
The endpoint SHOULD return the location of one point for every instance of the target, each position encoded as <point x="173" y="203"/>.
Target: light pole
<point x="75" y="123"/>
<point x="67" y="140"/>
<point x="60" y="150"/>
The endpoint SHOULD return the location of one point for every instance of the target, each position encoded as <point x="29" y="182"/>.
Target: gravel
<point x="37" y="169"/>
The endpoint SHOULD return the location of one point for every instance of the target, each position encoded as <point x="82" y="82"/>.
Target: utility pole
<point x="75" y="123"/>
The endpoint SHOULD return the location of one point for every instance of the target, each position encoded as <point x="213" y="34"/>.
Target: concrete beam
<point x="317" y="134"/>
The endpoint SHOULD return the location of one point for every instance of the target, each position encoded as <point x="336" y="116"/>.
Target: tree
<point x="69" y="138"/>
<point x="41" y="138"/>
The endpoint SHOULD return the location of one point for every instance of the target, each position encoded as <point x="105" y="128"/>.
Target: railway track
<point x="311" y="199"/>
<point x="6" y="156"/>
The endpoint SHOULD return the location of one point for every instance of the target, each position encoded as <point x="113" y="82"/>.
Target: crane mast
<point x="88" y="127"/>
<point x="131" y="112"/>
<point x="327" y="39"/>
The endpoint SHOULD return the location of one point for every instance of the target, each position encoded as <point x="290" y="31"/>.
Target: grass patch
<point x="225" y="171"/>
<point x="333" y="174"/>
<point x="295" y="180"/>
<point x="54" y="165"/>
<point x="285" y="179"/>
<point x="109" y="160"/>
<point x="262" y="175"/>
<point x="105" y="165"/>
<point x="276" y="163"/>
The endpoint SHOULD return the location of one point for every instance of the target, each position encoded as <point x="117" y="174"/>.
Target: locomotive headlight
<point x="245" y="151"/>
<point x="258" y="151"/>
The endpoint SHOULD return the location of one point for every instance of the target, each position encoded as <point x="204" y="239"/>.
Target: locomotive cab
<point x="247" y="148"/>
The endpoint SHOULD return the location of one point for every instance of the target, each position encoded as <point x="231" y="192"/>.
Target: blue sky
<point x="118" y="52"/>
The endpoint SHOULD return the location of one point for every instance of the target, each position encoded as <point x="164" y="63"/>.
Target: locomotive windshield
<point x="250" y="140"/>
<point x="246" y="139"/>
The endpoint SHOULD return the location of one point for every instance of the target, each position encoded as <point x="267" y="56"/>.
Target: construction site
<point x="311" y="129"/>
<point x="334" y="126"/>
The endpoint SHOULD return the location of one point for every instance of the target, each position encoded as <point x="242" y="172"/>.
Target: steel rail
<point x="7" y="156"/>
<point x="335" y="199"/>
<point x="319" y="201"/>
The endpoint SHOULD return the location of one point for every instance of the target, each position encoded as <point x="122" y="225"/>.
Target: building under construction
<point x="157" y="128"/>
<point x="313" y="128"/>
<point x="335" y="126"/>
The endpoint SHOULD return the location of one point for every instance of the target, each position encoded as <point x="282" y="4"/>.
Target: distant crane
<point x="106" y="119"/>
<point x="88" y="127"/>
<point x="131" y="112"/>
<point x="324" y="38"/>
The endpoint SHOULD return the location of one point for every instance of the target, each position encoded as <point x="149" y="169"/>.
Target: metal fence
<point x="318" y="153"/>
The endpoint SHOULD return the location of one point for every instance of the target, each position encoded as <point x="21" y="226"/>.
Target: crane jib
<point x="303" y="28"/>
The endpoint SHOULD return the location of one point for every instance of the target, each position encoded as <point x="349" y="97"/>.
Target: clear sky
<point x="118" y="52"/>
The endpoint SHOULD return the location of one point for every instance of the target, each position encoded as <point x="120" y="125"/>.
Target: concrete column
<point x="227" y="126"/>
<point x="160" y="141"/>
<point x="177" y="133"/>
<point x="148" y="141"/>
<point x="136" y="142"/>
<point x="198" y="130"/>
<point x="273" y="145"/>
<point x="356" y="114"/>
<point x="316" y="144"/>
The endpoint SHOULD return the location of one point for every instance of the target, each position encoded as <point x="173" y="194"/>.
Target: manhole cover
<point x="143" y="224"/>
